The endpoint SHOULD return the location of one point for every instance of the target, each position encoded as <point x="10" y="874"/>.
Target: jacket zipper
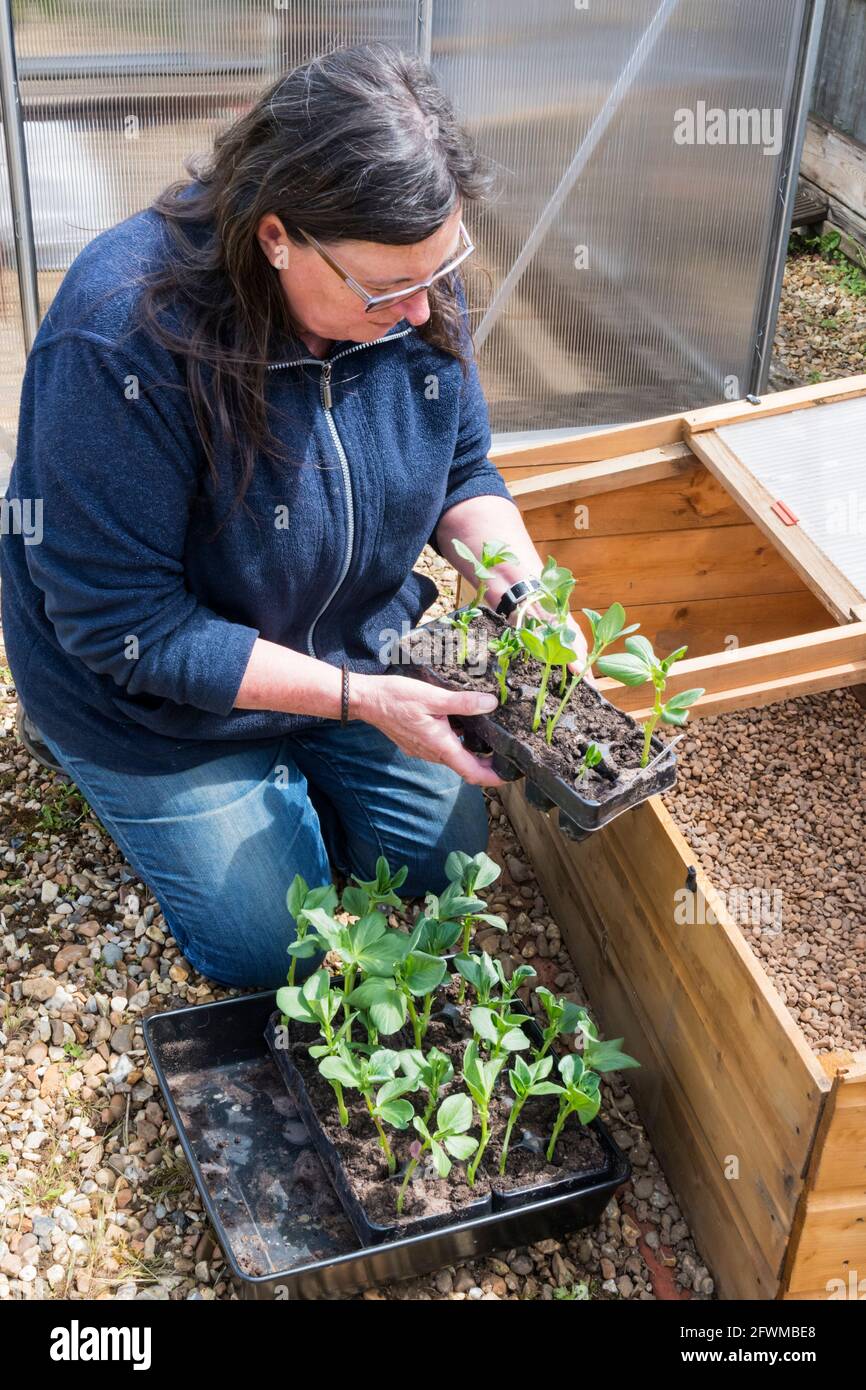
<point x="327" y="404"/>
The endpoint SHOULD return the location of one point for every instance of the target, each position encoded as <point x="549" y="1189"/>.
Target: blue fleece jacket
<point x="128" y="625"/>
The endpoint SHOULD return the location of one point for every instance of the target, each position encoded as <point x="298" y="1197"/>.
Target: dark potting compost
<point x="586" y="799"/>
<point x="354" y="1160"/>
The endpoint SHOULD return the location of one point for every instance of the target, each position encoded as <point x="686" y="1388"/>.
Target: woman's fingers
<point x="415" y="717"/>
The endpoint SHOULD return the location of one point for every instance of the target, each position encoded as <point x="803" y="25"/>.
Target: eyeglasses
<point x="376" y="301"/>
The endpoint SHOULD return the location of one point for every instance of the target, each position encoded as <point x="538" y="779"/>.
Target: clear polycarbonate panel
<point x="628" y="272"/>
<point x="627" y="268"/>
<point x="11" y="331"/>
<point x="813" y="461"/>
<point x="117" y="94"/>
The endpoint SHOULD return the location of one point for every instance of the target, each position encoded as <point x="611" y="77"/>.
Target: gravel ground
<point x="821" y="331"/>
<point x="774" y="799"/>
<point x="95" y="1197"/>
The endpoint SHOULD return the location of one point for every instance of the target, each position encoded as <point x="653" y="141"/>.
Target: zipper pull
<point x="326" y="386"/>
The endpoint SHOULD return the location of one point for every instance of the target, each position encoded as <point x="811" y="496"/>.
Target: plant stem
<point x="512" y="1120"/>
<point x="341" y="1104"/>
<point x="649" y="728"/>
<point x="348" y="985"/>
<point x="485" y="1135"/>
<point x="575" y="681"/>
<point x="501" y="673"/>
<point x="461" y="646"/>
<point x="383" y="1138"/>
<point x="467" y="928"/>
<point x="407" y="1177"/>
<point x="539" y="703"/>
<point x="561" y="1118"/>
<point x="425" y="1017"/>
<point x="416" y="1022"/>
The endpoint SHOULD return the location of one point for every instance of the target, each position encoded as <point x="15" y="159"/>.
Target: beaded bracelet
<point x="344" y="711"/>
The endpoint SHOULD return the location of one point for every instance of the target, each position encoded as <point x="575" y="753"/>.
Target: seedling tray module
<point x="588" y="797"/>
<point x="585" y="1159"/>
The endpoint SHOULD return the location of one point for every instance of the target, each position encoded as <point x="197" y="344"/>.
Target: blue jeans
<point x="219" y="844"/>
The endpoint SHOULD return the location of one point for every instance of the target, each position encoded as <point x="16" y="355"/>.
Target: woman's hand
<point x="414" y="715"/>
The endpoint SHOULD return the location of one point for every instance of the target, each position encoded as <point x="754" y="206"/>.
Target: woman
<point x="247" y="411"/>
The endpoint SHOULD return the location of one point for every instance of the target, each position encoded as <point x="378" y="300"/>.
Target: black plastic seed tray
<point x="253" y="1161"/>
<point x="368" y="1232"/>
<point x="501" y="1198"/>
<point x="579" y="815"/>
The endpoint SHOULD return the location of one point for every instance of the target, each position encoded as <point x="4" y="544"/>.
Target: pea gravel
<point x="774" y="799"/>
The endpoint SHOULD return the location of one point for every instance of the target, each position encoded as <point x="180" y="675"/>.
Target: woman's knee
<point x="243" y="944"/>
<point x="461" y="825"/>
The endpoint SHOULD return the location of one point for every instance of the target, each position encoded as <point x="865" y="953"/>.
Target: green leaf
<point x="488" y="871"/>
<point x="355" y="901"/>
<point x="515" y="1040"/>
<point x="434" y="936"/>
<point x="306" y="947"/>
<point x="317" y="985"/>
<point x="572" y="1015"/>
<point x="492" y="920"/>
<point x="677" y="717"/>
<point x="611" y="624"/>
<point x="397" y="1113"/>
<point x="399" y="1086"/>
<point x="607" y="1056"/>
<point x="642" y="648"/>
<point x="440" y="1159"/>
<point x="454" y="1115"/>
<point x="571" y="1068"/>
<point x="455" y="866"/>
<point x="484" y="1023"/>
<point x="522" y="1071"/>
<point x="296" y="895"/>
<point x="669" y="661"/>
<point x="462" y="1146"/>
<point x="383" y="1063"/>
<point x="465" y="553"/>
<point x="594" y="619"/>
<point x="546" y="1088"/>
<point x="324" y="897"/>
<point x="422" y="973"/>
<point x="380" y="997"/>
<point x="376" y="948"/>
<point x="330" y="930"/>
<point x="291" y="1002"/>
<point x="367" y="931"/>
<point x="338" y="1069"/>
<point x="585" y="1107"/>
<point x="533" y="643"/>
<point x="628" y="670"/>
<point x="684" y="699"/>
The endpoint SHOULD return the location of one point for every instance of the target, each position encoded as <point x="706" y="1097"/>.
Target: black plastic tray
<point x="579" y="815"/>
<point x="368" y="1232"/>
<point x="500" y="1199"/>
<point x="241" y="1137"/>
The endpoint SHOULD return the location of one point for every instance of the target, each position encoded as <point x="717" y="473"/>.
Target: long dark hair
<point x="358" y="144"/>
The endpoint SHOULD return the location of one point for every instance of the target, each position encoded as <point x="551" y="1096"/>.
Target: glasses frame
<point x="374" y="301"/>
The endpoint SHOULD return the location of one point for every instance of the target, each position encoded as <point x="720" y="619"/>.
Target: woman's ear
<point x="274" y="241"/>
